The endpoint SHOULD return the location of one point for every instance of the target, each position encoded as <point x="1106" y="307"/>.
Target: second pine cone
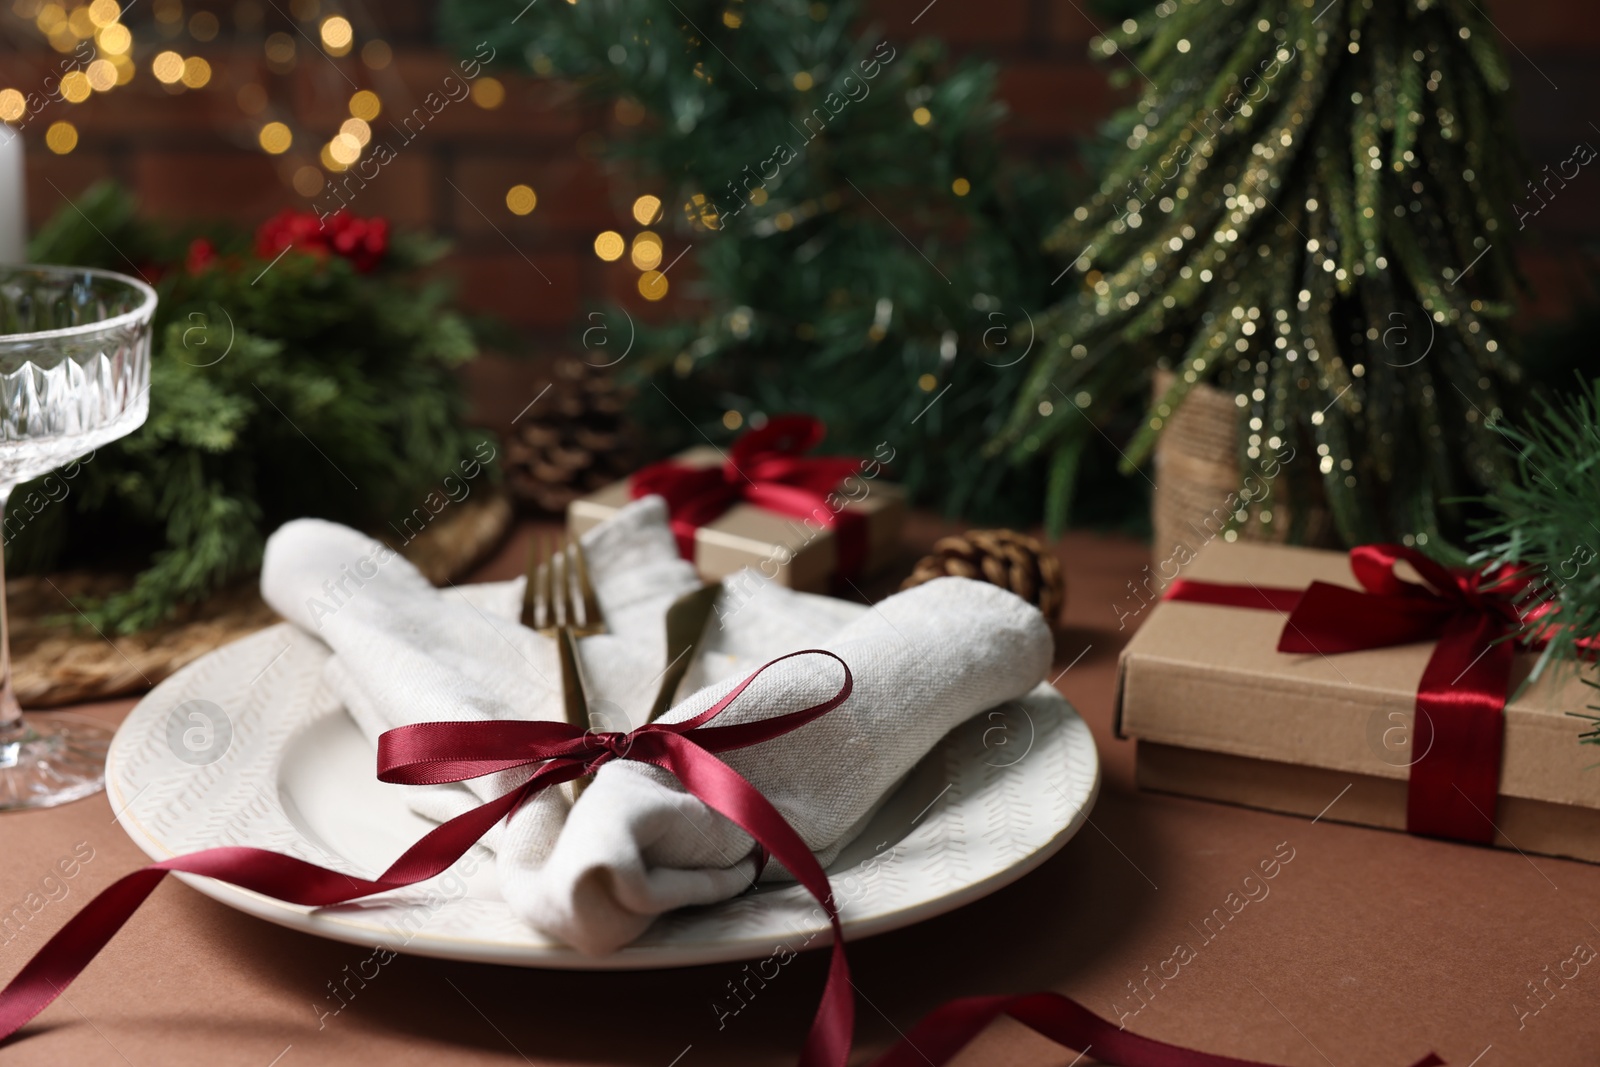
<point x="1005" y="558"/>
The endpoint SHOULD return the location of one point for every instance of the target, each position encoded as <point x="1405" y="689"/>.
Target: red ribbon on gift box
<point x="1461" y="699"/>
<point x="765" y="467"/>
<point x="438" y="752"/>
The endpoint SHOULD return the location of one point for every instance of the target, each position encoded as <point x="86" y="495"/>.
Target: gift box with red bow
<point x="807" y="522"/>
<point x="1376" y="688"/>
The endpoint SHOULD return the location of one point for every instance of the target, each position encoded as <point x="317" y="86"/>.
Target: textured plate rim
<point x="346" y="926"/>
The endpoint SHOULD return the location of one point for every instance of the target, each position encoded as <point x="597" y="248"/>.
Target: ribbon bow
<point x="1460" y="704"/>
<point x="436" y="752"/>
<point x="764" y="467"/>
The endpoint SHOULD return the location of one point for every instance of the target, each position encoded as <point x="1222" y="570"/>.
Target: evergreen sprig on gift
<point x="318" y="383"/>
<point x="1310" y="209"/>
<point x="859" y="252"/>
<point x="1546" y="523"/>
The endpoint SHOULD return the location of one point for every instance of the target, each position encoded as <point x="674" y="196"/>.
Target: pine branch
<point x="858" y="283"/>
<point x="271" y="394"/>
<point x="1544" y="526"/>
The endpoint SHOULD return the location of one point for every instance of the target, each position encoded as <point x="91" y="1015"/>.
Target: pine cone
<point x="1005" y="558"/>
<point x="571" y="441"/>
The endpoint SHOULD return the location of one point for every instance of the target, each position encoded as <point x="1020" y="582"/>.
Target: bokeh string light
<point x="609" y="245"/>
<point x="521" y="199"/>
<point x="165" y="44"/>
<point x="488" y="92"/>
<point x="645" y="251"/>
<point x="169" y="45"/>
<point x="365" y="105"/>
<point x="61" y="137"/>
<point x="646" y="210"/>
<point x="337" y="35"/>
<point x="275" y="138"/>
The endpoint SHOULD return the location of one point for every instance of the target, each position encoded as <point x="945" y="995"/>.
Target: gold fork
<point x="548" y="607"/>
<point x="547" y="602"/>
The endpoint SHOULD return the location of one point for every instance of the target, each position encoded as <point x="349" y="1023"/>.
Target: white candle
<point x="13" y="201"/>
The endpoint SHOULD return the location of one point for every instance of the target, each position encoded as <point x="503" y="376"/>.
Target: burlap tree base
<point x="56" y="661"/>
<point x="1197" y="467"/>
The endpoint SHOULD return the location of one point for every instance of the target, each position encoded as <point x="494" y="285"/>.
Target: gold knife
<point x="686" y="624"/>
<point x="574" y="704"/>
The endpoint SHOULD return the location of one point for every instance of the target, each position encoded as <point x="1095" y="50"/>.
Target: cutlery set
<point x="560" y="602"/>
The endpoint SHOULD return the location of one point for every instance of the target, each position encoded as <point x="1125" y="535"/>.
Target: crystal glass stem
<point x="11" y="725"/>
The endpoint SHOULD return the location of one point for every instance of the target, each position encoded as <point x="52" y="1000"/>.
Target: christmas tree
<point x="1310" y="208"/>
<point x="859" y="252"/>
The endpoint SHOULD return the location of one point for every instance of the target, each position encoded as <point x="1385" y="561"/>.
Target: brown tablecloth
<point x="1370" y="948"/>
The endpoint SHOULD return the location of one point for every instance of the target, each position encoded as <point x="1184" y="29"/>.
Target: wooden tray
<point x="56" y="662"/>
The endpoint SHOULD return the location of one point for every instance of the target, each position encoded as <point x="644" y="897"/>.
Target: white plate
<point x="992" y="801"/>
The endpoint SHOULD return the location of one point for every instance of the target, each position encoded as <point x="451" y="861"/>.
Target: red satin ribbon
<point x="1460" y="704"/>
<point x="431" y="753"/>
<point x="764" y="467"/>
<point x="1273" y="597"/>
<point x="439" y="752"/>
<point x="947" y="1029"/>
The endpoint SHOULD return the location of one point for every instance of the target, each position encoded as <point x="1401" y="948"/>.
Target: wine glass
<point x="74" y="375"/>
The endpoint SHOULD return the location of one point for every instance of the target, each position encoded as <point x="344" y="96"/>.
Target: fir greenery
<point x="1308" y="196"/>
<point x="857" y="249"/>
<point x="303" y="389"/>
<point x="1545" y="523"/>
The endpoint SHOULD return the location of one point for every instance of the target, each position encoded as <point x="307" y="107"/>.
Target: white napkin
<point x="637" y="845"/>
<point x="405" y="652"/>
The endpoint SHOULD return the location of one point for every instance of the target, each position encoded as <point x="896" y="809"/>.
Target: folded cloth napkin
<point x="405" y="652"/>
<point x="636" y="845"/>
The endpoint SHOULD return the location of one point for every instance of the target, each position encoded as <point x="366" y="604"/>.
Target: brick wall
<point x="193" y="154"/>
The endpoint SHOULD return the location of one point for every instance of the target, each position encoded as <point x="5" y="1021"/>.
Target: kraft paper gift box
<point x="789" y="550"/>
<point x="1219" y="713"/>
